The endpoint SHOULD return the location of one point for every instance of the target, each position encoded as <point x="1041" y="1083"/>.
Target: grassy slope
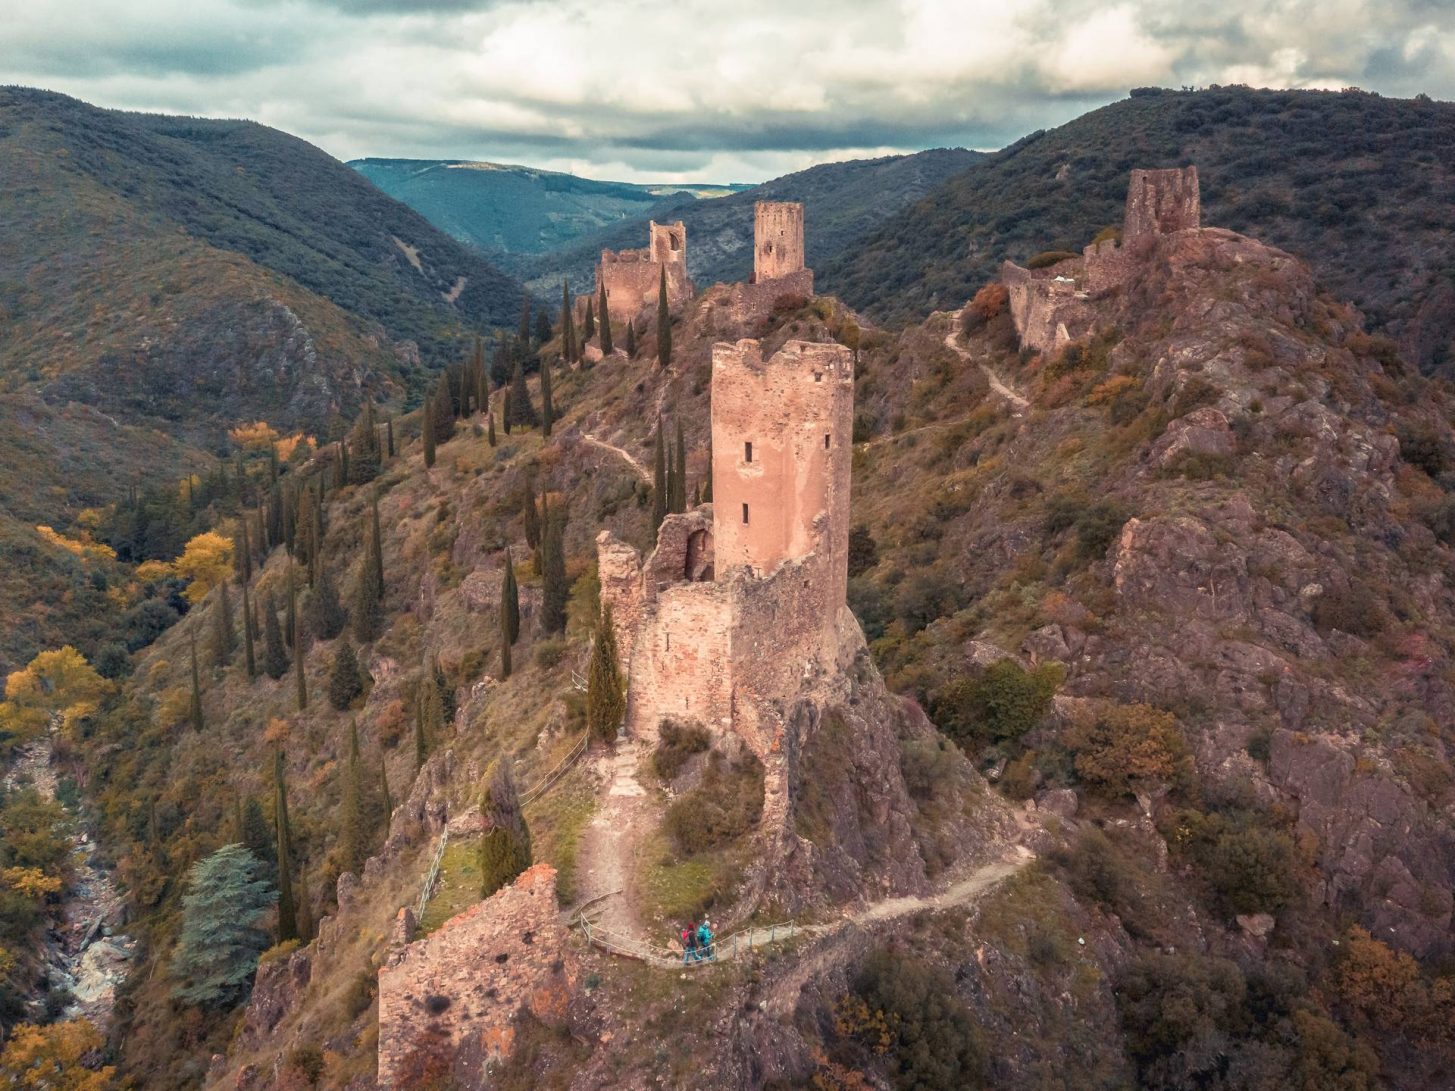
<point x="845" y="201"/>
<point x="1358" y="185"/>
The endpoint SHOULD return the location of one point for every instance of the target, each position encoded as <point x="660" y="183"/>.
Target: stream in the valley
<point x="85" y="952"/>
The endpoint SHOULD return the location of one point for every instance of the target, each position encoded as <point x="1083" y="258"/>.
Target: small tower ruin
<point x="632" y="278"/>
<point x="777" y="239"/>
<point x="1160" y="202"/>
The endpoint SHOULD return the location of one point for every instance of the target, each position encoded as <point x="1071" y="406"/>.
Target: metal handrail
<point x="535" y="791"/>
<point x="725" y="948"/>
<point x="432" y="875"/>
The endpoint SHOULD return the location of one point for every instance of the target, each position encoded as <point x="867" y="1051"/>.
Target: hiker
<point x="689" y="945"/>
<point x="704" y="940"/>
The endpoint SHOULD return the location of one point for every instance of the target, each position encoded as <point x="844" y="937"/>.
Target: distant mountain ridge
<point x="503" y="208"/>
<point x="844" y="203"/>
<point x="1358" y="185"/>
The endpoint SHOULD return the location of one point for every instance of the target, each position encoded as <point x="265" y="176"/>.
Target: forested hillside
<point x="1357" y="185"/>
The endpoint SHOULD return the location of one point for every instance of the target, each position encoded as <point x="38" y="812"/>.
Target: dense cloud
<point x="697" y="89"/>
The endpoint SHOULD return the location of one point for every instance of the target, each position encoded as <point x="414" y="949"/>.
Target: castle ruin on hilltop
<point x="741" y="606"/>
<point x="1055" y="305"/>
<point x="632" y="278"/>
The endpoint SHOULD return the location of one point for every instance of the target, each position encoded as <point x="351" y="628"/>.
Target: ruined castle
<point x="632" y="278"/>
<point x="1057" y="304"/>
<point x="743" y="599"/>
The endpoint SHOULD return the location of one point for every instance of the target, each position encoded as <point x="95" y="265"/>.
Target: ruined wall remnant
<point x="1054" y="306"/>
<point x="777" y="239"/>
<point x="456" y="993"/>
<point x="1160" y="202"/>
<point x="633" y="277"/>
<point x="742" y="603"/>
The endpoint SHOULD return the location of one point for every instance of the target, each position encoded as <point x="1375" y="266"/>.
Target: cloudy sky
<point x="703" y="90"/>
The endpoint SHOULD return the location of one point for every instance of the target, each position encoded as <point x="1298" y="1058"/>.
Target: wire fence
<point x="432" y="875"/>
<point x="547" y="782"/>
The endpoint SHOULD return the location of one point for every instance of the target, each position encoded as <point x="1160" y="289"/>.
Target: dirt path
<point x="997" y="384"/>
<point x="641" y="471"/>
<point x="624" y="816"/>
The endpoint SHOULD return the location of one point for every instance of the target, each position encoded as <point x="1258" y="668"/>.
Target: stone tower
<point x="1162" y="201"/>
<point x="668" y="242"/>
<point x="777" y="239"/>
<point x="781" y="443"/>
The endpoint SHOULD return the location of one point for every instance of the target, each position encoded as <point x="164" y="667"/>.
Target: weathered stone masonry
<point x="633" y="277"/>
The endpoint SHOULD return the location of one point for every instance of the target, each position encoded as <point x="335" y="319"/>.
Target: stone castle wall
<point x="633" y="277"/>
<point x="747" y="303"/>
<point x="456" y="993"/>
<point x="1049" y="308"/>
<point x="777" y="239"/>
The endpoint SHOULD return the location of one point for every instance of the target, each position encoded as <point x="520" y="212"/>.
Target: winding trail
<point x="641" y="471"/>
<point x="1019" y="402"/>
<point x="625" y="815"/>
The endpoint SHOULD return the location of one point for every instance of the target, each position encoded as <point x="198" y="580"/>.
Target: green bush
<point x="1001" y="704"/>
<point x="676" y="743"/>
<point x="1048" y="258"/>
<point x="726" y="805"/>
<point x="1250" y="866"/>
<point x="1354" y="610"/>
<point x="1121" y="748"/>
<point x="550" y="652"/>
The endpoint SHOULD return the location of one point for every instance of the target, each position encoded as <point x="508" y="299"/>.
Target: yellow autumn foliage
<point x="205" y="562"/>
<point x="58" y="682"/>
<point x="76" y="547"/>
<point x="257" y="436"/>
<point x="51" y="1058"/>
<point x="30" y="882"/>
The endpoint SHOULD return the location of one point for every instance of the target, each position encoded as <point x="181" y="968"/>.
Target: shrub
<point x="1173" y="1008"/>
<point x="1000" y="705"/>
<point x="989" y="302"/>
<point x="908" y="1012"/>
<point x="1194" y="394"/>
<point x="550" y="652"/>
<point x="1251" y="867"/>
<point x="727" y="804"/>
<point x="863" y="551"/>
<point x="1423" y="447"/>
<point x="1122" y="747"/>
<point x="1353" y="610"/>
<point x="676" y="743"/>
<point x="1047" y="258"/>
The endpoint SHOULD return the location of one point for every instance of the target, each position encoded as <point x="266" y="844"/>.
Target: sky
<point x="697" y="90"/>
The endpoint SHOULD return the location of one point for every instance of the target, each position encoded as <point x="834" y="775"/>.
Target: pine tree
<point x="631" y="339"/>
<point x="352" y="838"/>
<point x="509" y="603"/>
<point x="220" y="941"/>
<point x="548" y="410"/>
<point x="519" y="409"/>
<point x="605" y="692"/>
<point x="345" y="682"/>
<point x="664" y="324"/>
<point x="194" y="708"/>
<point x="660" y="498"/>
<point x="505" y="849"/>
<point x="324" y="613"/>
<point x="588" y="328"/>
<point x="555" y="591"/>
<point x="283" y="841"/>
<point x="275" y="659"/>
<point x="606" y="346"/>
<point x="249" y="635"/>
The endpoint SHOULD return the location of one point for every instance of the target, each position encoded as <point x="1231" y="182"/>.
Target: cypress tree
<point x="505" y="849"/>
<point x="556" y="591"/>
<point x="249" y="635"/>
<point x="290" y="630"/>
<point x="364" y="460"/>
<point x="226" y="638"/>
<point x="543" y="328"/>
<point x="519" y="409"/>
<point x="345" y="683"/>
<point x="287" y="908"/>
<point x="276" y="535"/>
<point x="605" y="692"/>
<point x="631" y="339"/>
<point x="242" y="553"/>
<point x="389" y="436"/>
<point x="385" y="794"/>
<point x="323" y="612"/>
<point x="275" y="659"/>
<point x="588" y="329"/>
<point x="664" y="324"/>
<point x="441" y="413"/>
<point x="352" y="838"/>
<point x="258" y="837"/>
<point x="315" y="560"/>
<point x="707" y="486"/>
<point x="680" y="491"/>
<point x="482" y="376"/>
<point x="548" y="411"/>
<point x="430" y="721"/>
<point x="532" y="515"/>
<point x="490" y="428"/>
<point x="299" y="656"/>
<point x="447" y="691"/>
<point x="504" y="642"/>
<point x="427" y="434"/>
<point x="509" y="603"/>
<point x="305" y="908"/>
<point x="522" y="334"/>
<point x="376" y="541"/>
<point x="368" y="612"/>
<point x="659" y="482"/>
<point x="606" y="346"/>
<point x="568" y="325"/>
<point x="194" y="710"/>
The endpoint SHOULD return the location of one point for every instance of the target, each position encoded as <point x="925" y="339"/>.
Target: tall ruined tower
<point x="781" y="456"/>
<point x="667" y="242"/>
<point x="1162" y="201"/>
<point x="777" y="239"/>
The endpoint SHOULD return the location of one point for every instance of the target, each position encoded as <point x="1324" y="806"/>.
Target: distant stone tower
<point x="781" y="454"/>
<point x="777" y="239"/>
<point x="632" y="278"/>
<point x="668" y="242"/>
<point x="1162" y="201"/>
